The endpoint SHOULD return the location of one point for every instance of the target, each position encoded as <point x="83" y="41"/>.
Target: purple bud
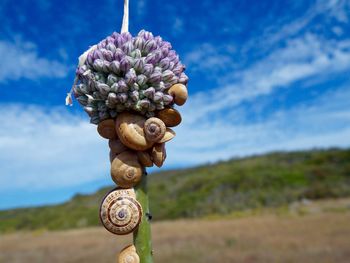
<point x="178" y="69"/>
<point x="151" y="59"/>
<point x="111" y="79"/>
<point x="126" y="36"/>
<point x="102" y="44"/>
<point x="82" y="100"/>
<point x="125" y="64"/>
<point x="150" y="45"/>
<point x="130" y="77"/>
<point x="165" y="51"/>
<point x="136" y="53"/>
<point x="141" y="80"/>
<point x="145" y="34"/>
<point x="111" y="47"/>
<point x="115" y="34"/>
<point x="107" y="54"/>
<point x="167" y="99"/>
<point x="166" y="44"/>
<point x="160" y="106"/>
<point x="90" y="58"/>
<point x="134" y="95"/>
<point x="183" y="79"/>
<point x="98" y="65"/>
<point x="144" y="103"/>
<point x="112" y="98"/>
<point x="164" y="63"/>
<point x="139" y="64"/>
<point x="118" y="54"/>
<point x="157" y="55"/>
<point x="148" y="69"/>
<point x="97" y="54"/>
<point x="114" y="66"/>
<point x="122" y="87"/>
<point x="119" y="41"/>
<point x="103" y="88"/>
<point x="128" y="47"/>
<point x="158" y="96"/>
<point x="115" y="87"/>
<point x="139" y="42"/>
<point x="149" y="93"/>
<point x="158" y="40"/>
<point x="155" y="77"/>
<point x="167" y="75"/>
<point x="122" y="97"/>
<point x="106" y="66"/>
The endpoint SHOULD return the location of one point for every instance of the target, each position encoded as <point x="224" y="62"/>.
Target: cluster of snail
<point x="135" y="142"/>
<point x="128" y="86"/>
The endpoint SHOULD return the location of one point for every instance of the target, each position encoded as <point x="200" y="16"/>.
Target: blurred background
<point x="259" y="170"/>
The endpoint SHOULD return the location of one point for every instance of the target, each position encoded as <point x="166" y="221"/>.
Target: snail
<point x="106" y="129"/>
<point x="116" y="147"/>
<point x="126" y="171"/>
<point x="145" y="158"/>
<point x="128" y="255"/>
<point x="130" y="131"/>
<point x="171" y="117"/>
<point x="179" y="92"/>
<point x="154" y="129"/>
<point x="120" y="212"/>
<point x="158" y="154"/>
<point x="169" y="134"/>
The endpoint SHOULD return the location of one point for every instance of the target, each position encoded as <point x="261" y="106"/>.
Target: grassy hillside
<point x="269" y="180"/>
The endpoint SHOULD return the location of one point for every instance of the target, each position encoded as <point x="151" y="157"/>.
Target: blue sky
<point x="264" y="75"/>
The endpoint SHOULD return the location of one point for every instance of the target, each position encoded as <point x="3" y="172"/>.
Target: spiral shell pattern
<point x="106" y="129"/>
<point x="120" y="213"/>
<point x="154" y="129"/>
<point x="128" y="255"/>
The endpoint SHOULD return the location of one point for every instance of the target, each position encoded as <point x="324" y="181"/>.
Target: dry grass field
<point x="311" y="232"/>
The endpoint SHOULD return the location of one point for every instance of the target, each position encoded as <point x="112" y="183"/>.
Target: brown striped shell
<point x="130" y="131"/>
<point x="128" y="255"/>
<point x="158" y="154"/>
<point x="169" y="134"/>
<point x="106" y="129"/>
<point x="171" y="117"/>
<point x="145" y="158"/>
<point x="126" y="170"/>
<point x="154" y="129"/>
<point x="179" y="92"/>
<point x="120" y="213"/>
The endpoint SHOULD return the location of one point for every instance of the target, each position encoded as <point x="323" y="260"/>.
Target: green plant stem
<point x="142" y="236"/>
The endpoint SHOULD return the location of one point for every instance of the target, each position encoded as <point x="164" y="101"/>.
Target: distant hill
<point x="268" y="180"/>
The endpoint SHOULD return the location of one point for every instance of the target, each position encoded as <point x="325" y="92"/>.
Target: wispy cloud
<point x="20" y="59"/>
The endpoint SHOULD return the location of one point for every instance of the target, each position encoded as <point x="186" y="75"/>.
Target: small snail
<point x="179" y="92"/>
<point x="158" y="154"/>
<point x="130" y="131"/>
<point x="120" y="212"/>
<point x="126" y="171"/>
<point x="145" y="158"/>
<point x="171" y="117"/>
<point x="117" y="146"/>
<point x="154" y="129"/>
<point x="106" y="129"/>
<point x="128" y="255"/>
<point x="169" y="134"/>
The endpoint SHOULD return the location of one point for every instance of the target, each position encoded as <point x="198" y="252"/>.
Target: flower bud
<point x="150" y="45"/>
<point x="125" y="64"/>
<point x="147" y="69"/>
<point x="114" y="66"/>
<point x="139" y="64"/>
<point x="155" y="77"/>
<point x="158" y="96"/>
<point x="134" y="95"/>
<point x="122" y="97"/>
<point x="98" y="65"/>
<point x="123" y="87"/>
<point x="167" y="75"/>
<point x="130" y="77"/>
<point x="149" y="93"/>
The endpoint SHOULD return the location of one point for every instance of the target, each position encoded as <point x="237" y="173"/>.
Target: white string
<point x="82" y="58"/>
<point x="125" y="24"/>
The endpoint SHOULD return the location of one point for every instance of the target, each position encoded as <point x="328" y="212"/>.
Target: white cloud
<point x="20" y="59"/>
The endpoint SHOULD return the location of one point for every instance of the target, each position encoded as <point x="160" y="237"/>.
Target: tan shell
<point x="145" y="159"/>
<point x="171" y="117"/>
<point x="154" y="129"/>
<point x="130" y="131"/>
<point x="126" y="171"/>
<point x="179" y="92"/>
<point x="106" y="129"/>
<point x="117" y="146"/>
<point x="128" y="255"/>
<point x="120" y="213"/>
<point x="158" y="154"/>
<point x="169" y="134"/>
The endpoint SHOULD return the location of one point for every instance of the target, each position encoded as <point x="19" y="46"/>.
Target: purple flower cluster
<point x="128" y="73"/>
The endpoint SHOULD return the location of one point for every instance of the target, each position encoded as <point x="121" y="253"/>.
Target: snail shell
<point x="154" y="129"/>
<point x="106" y="129"/>
<point x="120" y="213"/>
<point x="145" y="159"/>
<point x="126" y="171"/>
<point x="169" y="134"/>
<point x="171" y="117"/>
<point x="128" y="255"/>
<point x="179" y="92"/>
<point x="117" y="146"/>
<point x="130" y="131"/>
<point x="158" y="154"/>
